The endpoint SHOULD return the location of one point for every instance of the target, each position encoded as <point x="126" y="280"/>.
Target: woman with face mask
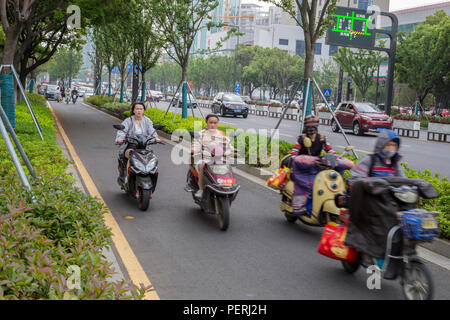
<point x="385" y="162"/>
<point x="304" y="163"/>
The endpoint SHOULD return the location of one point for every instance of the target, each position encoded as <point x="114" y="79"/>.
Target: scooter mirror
<point x="158" y="126"/>
<point x="307" y="142"/>
<point x="118" y="126"/>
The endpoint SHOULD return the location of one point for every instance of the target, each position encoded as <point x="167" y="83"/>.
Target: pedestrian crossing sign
<point x="327" y="93"/>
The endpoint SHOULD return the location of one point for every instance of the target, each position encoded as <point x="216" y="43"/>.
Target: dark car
<point x="360" y="117"/>
<point x="52" y="92"/>
<point x="177" y="102"/>
<point x="229" y="103"/>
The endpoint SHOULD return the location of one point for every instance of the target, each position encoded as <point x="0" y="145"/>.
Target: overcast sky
<point x="394" y="4"/>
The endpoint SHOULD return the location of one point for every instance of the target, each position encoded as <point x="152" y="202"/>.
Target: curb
<point x="439" y="246"/>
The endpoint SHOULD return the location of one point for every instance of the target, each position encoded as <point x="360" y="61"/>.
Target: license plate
<point x="227" y="181"/>
<point x="429" y="224"/>
<point x="235" y="110"/>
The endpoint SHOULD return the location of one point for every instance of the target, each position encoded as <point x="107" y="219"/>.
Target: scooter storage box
<point x="332" y="244"/>
<point x="419" y="224"/>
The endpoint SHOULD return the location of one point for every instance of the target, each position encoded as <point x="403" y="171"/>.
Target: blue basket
<point x="419" y="225"/>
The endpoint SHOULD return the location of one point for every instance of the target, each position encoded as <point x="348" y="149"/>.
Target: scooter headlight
<point x="333" y="175"/>
<point x="406" y="194"/>
<point x="407" y="197"/>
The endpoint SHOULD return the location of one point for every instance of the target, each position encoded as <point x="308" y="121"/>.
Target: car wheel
<point x="245" y="116"/>
<point x="334" y="126"/>
<point x="357" y="131"/>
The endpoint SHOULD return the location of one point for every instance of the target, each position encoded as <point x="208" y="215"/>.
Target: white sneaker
<point x="199" y="193"/>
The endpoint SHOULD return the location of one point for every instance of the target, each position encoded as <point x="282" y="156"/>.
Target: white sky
<point x="393" y="4"/>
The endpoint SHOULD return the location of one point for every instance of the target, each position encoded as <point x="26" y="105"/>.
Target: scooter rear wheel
<point x="350" y="267"/>
<point x="417" y="283"/>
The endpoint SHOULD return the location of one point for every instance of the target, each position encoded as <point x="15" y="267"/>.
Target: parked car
<point x="88" y="92"/>
<point x="229" y="103"/>
<point x="52" y="92"/>
<point x="155" y="96"/>
<point x="440" y="111"/>
<point x="81" y="91"/>
<point x="41" y="89"/>
<point x="177" y="101"/>
<point x="360" y="117"/>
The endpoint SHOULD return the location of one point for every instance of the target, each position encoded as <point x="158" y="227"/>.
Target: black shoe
<point x="393" y="269"/>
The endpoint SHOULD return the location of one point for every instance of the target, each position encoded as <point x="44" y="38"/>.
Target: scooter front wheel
<point x="290" y="217"/>
<point x="417" y="283"/>
<point x="143" y="198"/>
<point x="224" y="213"/>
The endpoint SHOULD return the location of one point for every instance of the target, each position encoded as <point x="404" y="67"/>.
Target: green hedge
<point x="440" y="183"/>
<point x="54" y="226"/>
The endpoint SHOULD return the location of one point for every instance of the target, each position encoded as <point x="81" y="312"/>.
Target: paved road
<point x="419" y="154"/>
<point x="186" y="256"/>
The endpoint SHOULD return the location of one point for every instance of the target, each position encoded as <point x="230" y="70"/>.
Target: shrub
<point x="99" y="100"/>
<point x="52" y="227"/>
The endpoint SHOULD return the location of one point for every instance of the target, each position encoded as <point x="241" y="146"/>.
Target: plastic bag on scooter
<point x="279" y="178"/>
<point x="332" y="244"/>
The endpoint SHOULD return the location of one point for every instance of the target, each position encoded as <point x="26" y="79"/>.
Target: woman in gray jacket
<point x="136" y="124"/>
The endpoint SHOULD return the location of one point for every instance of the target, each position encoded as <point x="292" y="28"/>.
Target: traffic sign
<point x="350" y="28"/>
<point x="191" y="85"/>
<point x="237" y="88"/>
<point x="327" y="92"/>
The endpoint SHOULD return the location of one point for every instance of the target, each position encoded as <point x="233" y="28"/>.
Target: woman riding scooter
<point x="385" y="162"/>
<point x="305" y="161"/>
<point x="136" y="124"/>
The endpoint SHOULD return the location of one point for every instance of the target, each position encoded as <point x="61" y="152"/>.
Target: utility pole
<point x="376" y="92"/>
<point x="70" y="68"/>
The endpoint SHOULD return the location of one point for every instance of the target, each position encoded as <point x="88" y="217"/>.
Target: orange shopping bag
<point x="332" y="244"/>
<point x="279" y="178"/>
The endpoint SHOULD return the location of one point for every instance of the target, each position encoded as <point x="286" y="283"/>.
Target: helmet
<point x="311" y="121"/>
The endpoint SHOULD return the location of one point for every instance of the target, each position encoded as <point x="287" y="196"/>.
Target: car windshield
<point x="232" y="98"/>
<point x="367" y="108"/>
<point x="52" y="88"/>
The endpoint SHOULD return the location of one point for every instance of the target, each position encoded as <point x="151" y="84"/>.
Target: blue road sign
<point x="327" y="92"/>
<point x="237" y="90"/>
<point x="115" y="70"/>
<point x="238" y="85"/>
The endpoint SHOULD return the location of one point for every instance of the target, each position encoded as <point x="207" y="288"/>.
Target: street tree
<point x="146" y="44"/>
<point x="360" y="64"/>
<point x="59" y="66"/>
<point x="178" y="24"/>
<point x="422" y="60"/>
<point x="314" y="18"/>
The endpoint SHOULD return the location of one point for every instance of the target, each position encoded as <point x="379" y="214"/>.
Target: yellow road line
<point x="286" y="135"/>
<point x="129" y="259"/>
<point x="359" y="150"/>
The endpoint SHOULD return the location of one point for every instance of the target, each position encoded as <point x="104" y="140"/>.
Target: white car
<point x="89" y="92"/>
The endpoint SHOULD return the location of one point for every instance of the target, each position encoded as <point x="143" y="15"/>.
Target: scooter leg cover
<point x="303" y="174"/>
<point x="344" y="164"/>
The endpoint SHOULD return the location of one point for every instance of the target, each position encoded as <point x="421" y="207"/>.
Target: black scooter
<point x="142" y="176"/>
<point x="74" y="98"/>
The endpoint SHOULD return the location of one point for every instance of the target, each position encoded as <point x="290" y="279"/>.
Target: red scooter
<point x="220" y="187"/>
